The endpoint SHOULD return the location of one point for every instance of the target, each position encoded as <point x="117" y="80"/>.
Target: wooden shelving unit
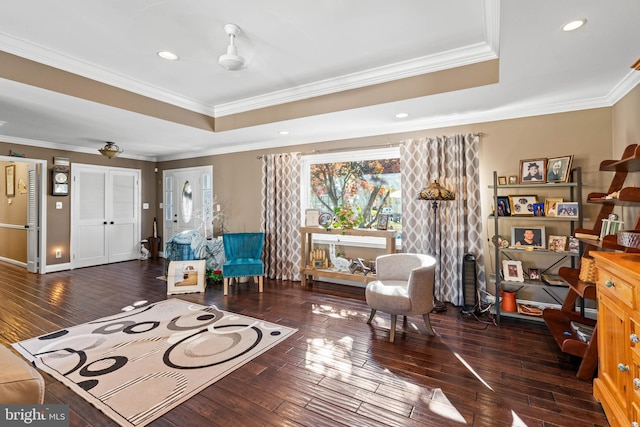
<point x="574" y="188"/>
<point x="559" y="320"/>
<point x="308" y="271"/>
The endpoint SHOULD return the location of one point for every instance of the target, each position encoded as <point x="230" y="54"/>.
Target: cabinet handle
<point x="634" y="338"/>
<point x="622" y="367"/>
<point x="635" y="424"/>
<point x="609" y="283"/>
<point x="636" y="382"/>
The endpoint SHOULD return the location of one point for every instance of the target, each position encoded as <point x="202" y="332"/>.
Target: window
<point x="366" y="181"/>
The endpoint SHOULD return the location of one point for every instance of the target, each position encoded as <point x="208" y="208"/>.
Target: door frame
<point x="41" y="180"/>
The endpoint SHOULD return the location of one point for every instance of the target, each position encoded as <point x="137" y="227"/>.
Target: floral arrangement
<point x="347" y="217"/>
<point x="214" y="275"/>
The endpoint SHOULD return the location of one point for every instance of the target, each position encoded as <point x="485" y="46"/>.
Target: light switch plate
<point x="145" y="206"/>
<point x="58" y="205"/>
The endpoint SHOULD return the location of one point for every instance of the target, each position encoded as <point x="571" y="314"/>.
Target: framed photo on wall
<point x="185" y="277"/>
<point x="10" y="180"/>
<point x="533" y="171"/>
<point x="522" y="205"/>
<point x="513" y="179"/>
<point x="558" y="168"/>
<point x="502" y="180"/>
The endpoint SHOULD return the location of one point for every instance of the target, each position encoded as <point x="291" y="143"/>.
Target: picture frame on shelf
<point x="325" y="219"/>
<point x="528" y="237"/>
<point x="312" y="217"/>
<point x="551" y="206"/>
<point x="522" y="205"/>
<point x="513" y="179"/>
<point x="184" y="277"/>
<point x="538" y="209"/>
<point x="534" y="274"/>
<point x="512" y="270"/>
<point x="568" y="209"/>
<point x="574" y="245"/>
<point x="504" y="207"/>
<point x="533" y="171"/>
<point x="557" y="243"/>
<point x="558" y="168"/>
<point x="502" y="180"/>
<point x="383" y="222"/>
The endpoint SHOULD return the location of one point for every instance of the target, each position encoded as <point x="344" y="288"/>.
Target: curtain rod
<point x="387" y="145"/>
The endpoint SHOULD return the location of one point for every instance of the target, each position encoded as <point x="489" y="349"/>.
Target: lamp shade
<point x="436" y="192"/>
<point x="110" y="150"/>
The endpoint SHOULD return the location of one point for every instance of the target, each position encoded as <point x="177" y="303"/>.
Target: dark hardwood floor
<point x="336" y="370"/>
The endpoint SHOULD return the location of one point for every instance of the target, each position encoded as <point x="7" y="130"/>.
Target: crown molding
<point x="466" y="55"/>
<point x="65" y="147"/>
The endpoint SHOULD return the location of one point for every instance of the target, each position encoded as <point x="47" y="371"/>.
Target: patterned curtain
<point x="280" y="218"/>
<point x="453" y="161"/>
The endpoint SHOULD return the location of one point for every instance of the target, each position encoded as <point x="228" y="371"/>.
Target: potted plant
<point x="214" y="277"/>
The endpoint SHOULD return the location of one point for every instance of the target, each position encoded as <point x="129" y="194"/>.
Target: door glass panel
<point x="187" y="202"/>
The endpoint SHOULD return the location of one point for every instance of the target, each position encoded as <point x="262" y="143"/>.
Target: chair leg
<point x="392" y="333"/>
<point x="260" y="284"/>
<point x="373" y="313"/>
<point x="427" y="323"/>
<point x="226" y="285"/>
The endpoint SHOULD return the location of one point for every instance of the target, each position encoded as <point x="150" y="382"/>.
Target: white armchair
<point x="404" y="286"/>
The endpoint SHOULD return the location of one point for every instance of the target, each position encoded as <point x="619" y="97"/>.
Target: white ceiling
<point x="297" y="49"/>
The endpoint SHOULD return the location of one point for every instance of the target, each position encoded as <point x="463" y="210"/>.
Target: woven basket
<point x="588" y="270"/>
<point x="629" y="238"/>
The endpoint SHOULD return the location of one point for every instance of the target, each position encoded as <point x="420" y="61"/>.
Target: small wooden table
<point x="307" y="270"/>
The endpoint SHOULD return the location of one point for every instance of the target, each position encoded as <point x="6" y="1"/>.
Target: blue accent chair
<point x="243" y="252"/>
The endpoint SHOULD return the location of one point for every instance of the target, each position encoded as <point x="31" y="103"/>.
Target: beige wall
<point x="590" y="135"/>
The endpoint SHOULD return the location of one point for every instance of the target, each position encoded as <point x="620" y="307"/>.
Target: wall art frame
<point x="184" y="277"/>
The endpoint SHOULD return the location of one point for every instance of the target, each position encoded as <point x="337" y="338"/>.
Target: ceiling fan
<point x="231" y="60"/>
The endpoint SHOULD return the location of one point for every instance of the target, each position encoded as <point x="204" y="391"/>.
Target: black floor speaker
<point x="469" y="282"/>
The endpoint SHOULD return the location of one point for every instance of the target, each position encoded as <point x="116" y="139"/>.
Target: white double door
<point x="105" y="215"/>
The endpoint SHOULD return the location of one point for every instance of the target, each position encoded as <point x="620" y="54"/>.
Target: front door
<point x="187" y="201"/>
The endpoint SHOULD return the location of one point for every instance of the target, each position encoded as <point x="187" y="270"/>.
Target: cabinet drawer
<point x="618" y="288"/>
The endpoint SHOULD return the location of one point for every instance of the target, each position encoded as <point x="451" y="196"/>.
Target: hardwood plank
<point x="337" y="370"/>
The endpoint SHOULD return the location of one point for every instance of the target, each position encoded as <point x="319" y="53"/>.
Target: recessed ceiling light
<point x="169" y="56"/>
<point x="284" y="132"/>
<point x="574" y="25"/>
<point x="402" y="115"/>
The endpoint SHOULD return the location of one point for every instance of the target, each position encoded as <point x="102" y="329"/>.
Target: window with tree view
<point x="355" y="190"/>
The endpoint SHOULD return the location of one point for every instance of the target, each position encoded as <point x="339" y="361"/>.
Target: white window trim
<point x="342" y="156"/>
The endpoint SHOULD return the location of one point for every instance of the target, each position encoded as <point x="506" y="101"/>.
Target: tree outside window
<point x="368" y="187"/>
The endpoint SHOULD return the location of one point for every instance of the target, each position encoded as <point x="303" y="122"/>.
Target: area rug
<point x="138" y="365"/>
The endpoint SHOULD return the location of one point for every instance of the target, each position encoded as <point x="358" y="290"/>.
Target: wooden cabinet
<point x="617" y="386"/>
<point x="309" y="271"/>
